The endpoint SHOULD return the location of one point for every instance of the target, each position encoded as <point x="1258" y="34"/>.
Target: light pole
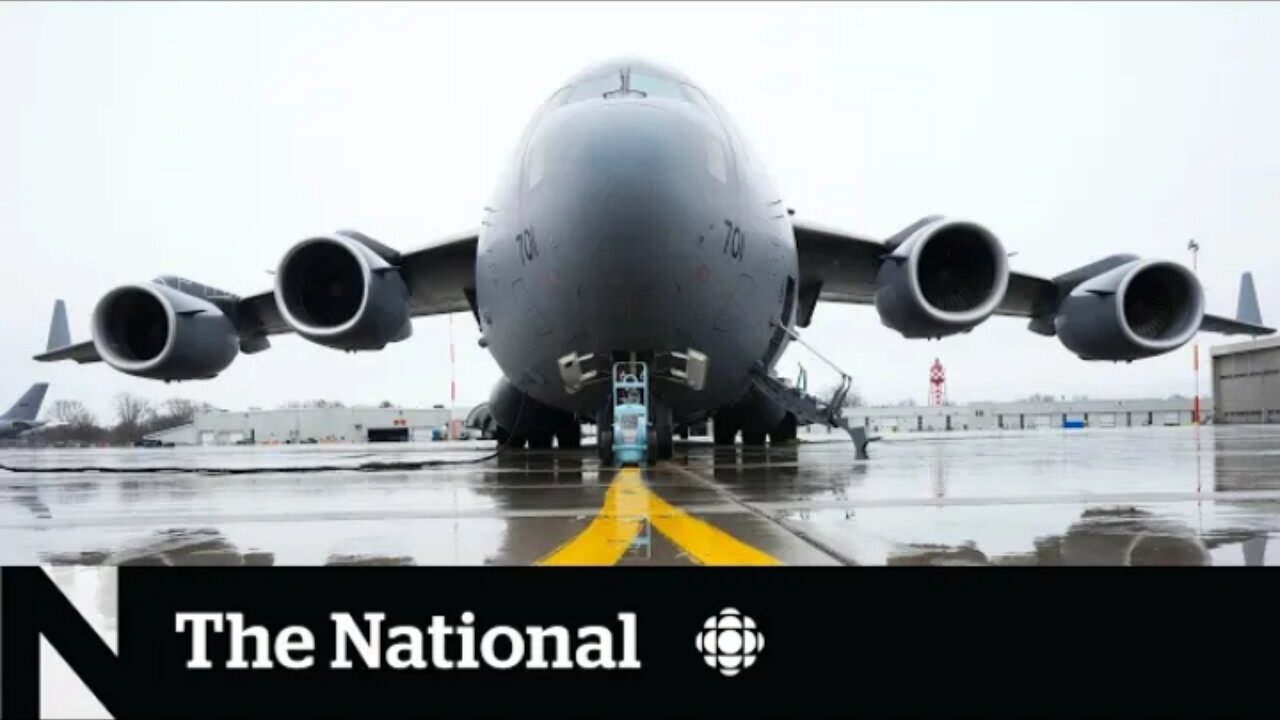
<point x="1194" y="247"/>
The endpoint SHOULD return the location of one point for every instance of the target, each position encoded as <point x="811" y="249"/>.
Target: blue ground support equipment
<point x="634" y="437"/>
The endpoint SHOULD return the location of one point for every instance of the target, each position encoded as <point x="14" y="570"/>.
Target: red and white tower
<point x="1194" y="247"/>
<point x="453" y="385"/>
<point x="937" y="383"/>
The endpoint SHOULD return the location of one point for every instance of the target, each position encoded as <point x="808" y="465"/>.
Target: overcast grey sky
<point x="203" y="139"/>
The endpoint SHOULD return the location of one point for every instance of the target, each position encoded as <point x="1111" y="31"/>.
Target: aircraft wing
<point x="440" y="275"/>
<point x="83" y="352"/>
<point x="837" y="265"/>
<point x="1228" y="326"/>
<point x="841" y="266"/>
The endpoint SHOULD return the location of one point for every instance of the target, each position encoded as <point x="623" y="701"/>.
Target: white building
<point x="318" y="425"/>
<point x="369" y="424"/>
<point x="1022" y="415"/>
<point x="1246" y="381"/>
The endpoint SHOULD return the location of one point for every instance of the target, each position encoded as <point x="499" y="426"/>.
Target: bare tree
<point x="80" y="426"/>
<point x="181" y="411"/>
<point x="308" y="404"/>
<point x="176" y="413"/>
<point x="72" y="412"/>
<point x="132" y="409"/>
<point x="132" y="414"/>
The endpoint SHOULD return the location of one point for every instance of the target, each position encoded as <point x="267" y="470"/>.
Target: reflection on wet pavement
<point x="202" y="546"/>
<point x="1118" y="496"/>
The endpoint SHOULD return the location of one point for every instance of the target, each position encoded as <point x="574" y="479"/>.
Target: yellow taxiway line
<point x="705" y="543"/>
<point x="627" y="504"/>
<point x="607" y="538"/>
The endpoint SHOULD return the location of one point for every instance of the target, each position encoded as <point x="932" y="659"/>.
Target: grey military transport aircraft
<point x="635" y="222"/>
<point x="21" y="418"/>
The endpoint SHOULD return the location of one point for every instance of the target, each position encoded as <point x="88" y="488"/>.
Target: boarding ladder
<point x="809" y="409"/>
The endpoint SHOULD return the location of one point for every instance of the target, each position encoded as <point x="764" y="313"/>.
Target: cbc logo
<point x="729" y="642"/>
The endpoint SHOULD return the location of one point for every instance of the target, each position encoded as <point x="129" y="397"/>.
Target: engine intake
<point x="946" y="277"/>
<point x="156" y="332"/>
<point x="1137" y="310"/>
<point x="337" y="291"/>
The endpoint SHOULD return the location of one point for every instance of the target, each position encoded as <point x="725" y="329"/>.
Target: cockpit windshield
<point x="627" y="84"/>
<point x="595" y="88"/>
<point x="654" y="86"/>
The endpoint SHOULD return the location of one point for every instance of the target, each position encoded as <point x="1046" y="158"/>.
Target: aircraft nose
<point x="635" y="188"/>
<point x="630" y="154"/>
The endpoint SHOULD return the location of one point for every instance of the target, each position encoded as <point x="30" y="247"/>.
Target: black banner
<point x="654" y="642"/>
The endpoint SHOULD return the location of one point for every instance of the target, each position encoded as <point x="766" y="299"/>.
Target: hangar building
<point x="318" y="425"/>
<point x="1246" y="382"/>
<point x="1138" y="412"/>
<point x="369" y="424"/>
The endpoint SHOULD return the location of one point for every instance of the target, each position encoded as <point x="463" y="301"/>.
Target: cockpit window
<point x="595" y="88"/>
<point x="653" y="86"/>
<point x="625" y="84"/>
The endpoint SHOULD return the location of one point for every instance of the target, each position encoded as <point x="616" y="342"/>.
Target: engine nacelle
<point x="946" y="277"/>
<point x="1137" y="310"/>
<point x="338" y="292"/>
<point x="154" y="331"/>
<point x="519" y="414"/>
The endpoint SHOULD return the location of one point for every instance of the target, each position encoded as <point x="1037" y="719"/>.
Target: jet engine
<point x="343" y="291"/>
<point x="945" y="277"/>
<point x="1137" y="310"/>
<point x="154" y="331"/>
<point x="522" y="418"/>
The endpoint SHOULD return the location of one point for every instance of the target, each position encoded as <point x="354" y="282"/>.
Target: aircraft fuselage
<point x="10" y="429"/>
<point x="634" y="223"/>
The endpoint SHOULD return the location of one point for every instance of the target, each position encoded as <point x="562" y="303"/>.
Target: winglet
<point x="59" y="346"/>
<point x="1248" y="319"/>
<point x="59" y="332"/>
<point x="1247" y="307"/>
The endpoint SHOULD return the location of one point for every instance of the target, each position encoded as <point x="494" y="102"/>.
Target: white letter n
<point x="370" y="648"/>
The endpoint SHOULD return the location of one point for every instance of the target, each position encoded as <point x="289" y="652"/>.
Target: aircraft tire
<point x="753" y="437"/>
<point x="604" y="446"/>
<point x="785" y="432"/>
<point x="504" y="437"/>
<point x="540" y="440"/>
<point x="653" y="449"/>
<point x="569" y="439"/>
<point x="725" y="430"/>
<point x="666" y="435"/>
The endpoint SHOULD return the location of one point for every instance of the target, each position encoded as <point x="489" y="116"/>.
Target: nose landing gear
<point x="634" y="430"/>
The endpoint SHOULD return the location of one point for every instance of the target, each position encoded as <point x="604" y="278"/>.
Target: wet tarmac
<point x="1116" y="496"/>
